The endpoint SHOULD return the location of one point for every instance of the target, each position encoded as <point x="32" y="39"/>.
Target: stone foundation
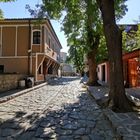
<point x="9" y="81"/>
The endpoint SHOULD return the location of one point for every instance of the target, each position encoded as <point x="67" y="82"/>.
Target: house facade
<point x="30" y="47"/>
<point x="131" y="69"/>
<point x="103" y="72"/>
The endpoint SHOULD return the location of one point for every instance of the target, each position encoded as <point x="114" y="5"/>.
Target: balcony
<point x="50" y="53"/>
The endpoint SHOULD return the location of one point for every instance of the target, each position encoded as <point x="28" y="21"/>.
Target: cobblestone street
<point x="61" y="110"/>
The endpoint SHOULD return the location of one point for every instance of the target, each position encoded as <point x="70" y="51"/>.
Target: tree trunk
<point x="114" y="44"/>
<point x="92" y="41"/>
<point x="92" y="81"/>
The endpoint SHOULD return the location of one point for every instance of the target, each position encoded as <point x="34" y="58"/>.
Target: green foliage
<point x="1" y="14"/>
<point x="76" y="52"/>
<point x="81" y="23"/>
<point x="76" y="57"/>
<point x="131" y="40"/>
<point x="54" y="8"/>
<point x="102" y="54"/>
<point x="137" y="44"/>
<point x="120" y="8"/>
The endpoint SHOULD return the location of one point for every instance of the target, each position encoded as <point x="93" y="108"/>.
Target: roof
<point x="132" y="54"/>
<point x="34" y="20"/>
<point x="21" y="19"/>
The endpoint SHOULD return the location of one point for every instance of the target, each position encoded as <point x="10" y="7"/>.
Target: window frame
<point x="39" y="37"/>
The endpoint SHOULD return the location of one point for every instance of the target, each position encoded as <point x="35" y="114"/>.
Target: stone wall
<point x="9" y="81"/>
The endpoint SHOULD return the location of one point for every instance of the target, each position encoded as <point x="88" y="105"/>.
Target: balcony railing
<point x="50" y="53"/>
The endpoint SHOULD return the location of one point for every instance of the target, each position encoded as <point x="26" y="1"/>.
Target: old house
<point x="131" y="69"/>
<point x="30" y="47"/>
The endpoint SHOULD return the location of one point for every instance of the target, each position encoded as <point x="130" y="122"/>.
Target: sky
<point x="17" y="10"/>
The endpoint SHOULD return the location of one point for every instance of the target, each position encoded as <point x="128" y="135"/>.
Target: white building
<point x="63" y="56"/>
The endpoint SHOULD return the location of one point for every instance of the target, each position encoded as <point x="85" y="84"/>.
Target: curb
<point x="109" y="115"/>
<point x="14" y="95"/>
<point x="121" y="130"/>
<point x="96" y="95"/>
<point x="114" y="122"/>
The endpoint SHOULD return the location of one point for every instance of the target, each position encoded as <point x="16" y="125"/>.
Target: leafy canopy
<point x="81" y="22"/>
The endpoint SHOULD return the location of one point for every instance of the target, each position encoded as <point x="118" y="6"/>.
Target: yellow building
<point x="30" y="47"/>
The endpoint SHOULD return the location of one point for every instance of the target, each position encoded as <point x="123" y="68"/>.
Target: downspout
<point x="29" y="47"/>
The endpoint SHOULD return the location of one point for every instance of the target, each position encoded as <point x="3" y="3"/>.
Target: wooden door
<point x="133" y="73"/>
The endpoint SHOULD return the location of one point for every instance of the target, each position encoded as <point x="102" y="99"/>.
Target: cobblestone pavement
<point x="126" y="125"/>
<point x="61" y="110"/>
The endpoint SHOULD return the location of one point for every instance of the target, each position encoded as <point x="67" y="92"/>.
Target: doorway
<point x="103" y="73"/>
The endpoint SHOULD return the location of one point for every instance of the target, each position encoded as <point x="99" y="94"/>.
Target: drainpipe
<point x="29" y="47"/>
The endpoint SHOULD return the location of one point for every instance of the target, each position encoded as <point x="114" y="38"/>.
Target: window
<point x="49" y="43"/>
<point x="1" y="68"/>
<point x="36" y="37"/>
<point x="46" y="36"/>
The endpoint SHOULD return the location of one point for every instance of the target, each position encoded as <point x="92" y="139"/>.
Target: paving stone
<point x="121" y="131"/>
<point x="85" y="138"/>
<point x="56" y="111"/>
<point x="135" y="128"/>
<point x="14" y="125"/>
<point x="47" y="133"/>
<point x="130" y="137"/>
<point x="25" y="136"/>
<point x="3" y="138"/>
<point x="74" y="116"/>
<point x="90" y="123"/>
<point x="34" y="138"/>
<point x="70" y="126"/>
<point x="96" y="137"/>
<point x="80" y="131"/>
<point x="63" y="131"/>
<point x="8" y="132"/>
<point x="65" y="138"/>
<point x="82" y="123"/>
<point x="39" y="132"/>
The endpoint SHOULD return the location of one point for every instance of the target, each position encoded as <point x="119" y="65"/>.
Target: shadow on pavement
<point x="70" y="121"/>
<point x="80" y="119"/>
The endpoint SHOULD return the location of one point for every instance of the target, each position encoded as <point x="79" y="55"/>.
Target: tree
<point x="113" y="37"/>
<point x="85" y="25"/>
<point x="76" y="53"/>
<point x="93" y="23"/>
<point x="102" y="54"/>
<point x="88" y="15"/>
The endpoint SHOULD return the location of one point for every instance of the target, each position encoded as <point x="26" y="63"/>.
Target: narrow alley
<point x="61" y="110"/>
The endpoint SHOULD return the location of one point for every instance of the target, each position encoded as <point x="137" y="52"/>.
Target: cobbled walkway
<point x="61" y="110"/>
